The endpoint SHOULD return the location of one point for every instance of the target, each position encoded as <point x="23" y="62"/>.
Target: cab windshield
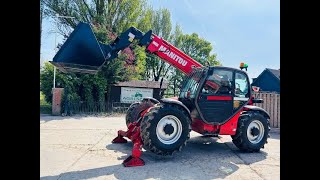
<point x="191" y="83"/>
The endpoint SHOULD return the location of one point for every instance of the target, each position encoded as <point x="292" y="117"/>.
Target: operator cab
<point x="215" y="94"/>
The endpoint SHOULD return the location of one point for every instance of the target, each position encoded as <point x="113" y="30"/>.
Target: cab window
<point x="241" y="85"/>
<point x="220" y="82"/>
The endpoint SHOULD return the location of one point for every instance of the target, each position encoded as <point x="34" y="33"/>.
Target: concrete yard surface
<point x="79" y="147"/>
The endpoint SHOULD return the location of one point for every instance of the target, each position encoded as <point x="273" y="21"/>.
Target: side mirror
<point x="255" y="88"/>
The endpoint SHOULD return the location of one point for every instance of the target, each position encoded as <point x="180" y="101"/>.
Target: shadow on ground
<point x="275" y="135"/>
<point x="203" y="157"/>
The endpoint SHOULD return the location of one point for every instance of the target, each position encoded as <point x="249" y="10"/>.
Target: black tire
<point x="149" y="124"/>
<point x="129" y="115"/>
<point x="241" y="140"/>
<point x="133" y="112"/>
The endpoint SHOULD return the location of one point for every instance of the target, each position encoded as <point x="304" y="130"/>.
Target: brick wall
<point x="56" y="101"/>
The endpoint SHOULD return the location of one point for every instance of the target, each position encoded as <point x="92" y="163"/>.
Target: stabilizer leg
<point x="134" y="159"/>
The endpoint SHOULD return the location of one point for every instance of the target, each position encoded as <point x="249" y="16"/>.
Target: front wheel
<point x="252" y="132"/>
<point x="165" y="129"/>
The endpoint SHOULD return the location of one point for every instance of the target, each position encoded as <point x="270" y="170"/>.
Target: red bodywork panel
<point x="172" y="55"/>
<point x="219" y="98"/>
<point x="175" y="57"/>
<point x="201" y="127"/>
<point x="228" y="128"/>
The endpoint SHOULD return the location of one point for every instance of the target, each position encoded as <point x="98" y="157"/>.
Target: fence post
<point x="112" y="107"/>
<point x="272" y="108"/>
<point x="275" y="105"/>
<point x="278" y="111"/>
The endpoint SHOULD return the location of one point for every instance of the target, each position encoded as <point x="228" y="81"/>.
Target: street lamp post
<point x="55" y="45"/>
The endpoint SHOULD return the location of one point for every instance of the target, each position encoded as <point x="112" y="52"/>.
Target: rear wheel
<point x="135" y="109"/>
<point x="252" y="132"/>
<point x="129" y="115"/>
<point x="165" y="129"/>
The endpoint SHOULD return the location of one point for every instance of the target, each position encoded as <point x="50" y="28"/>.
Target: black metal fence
<point x="83" y="107"/>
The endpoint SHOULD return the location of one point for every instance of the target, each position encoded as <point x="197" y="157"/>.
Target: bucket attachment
<point x="81" y="52"/>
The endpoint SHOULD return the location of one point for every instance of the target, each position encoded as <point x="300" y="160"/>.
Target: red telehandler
<point x="213" y="100"/>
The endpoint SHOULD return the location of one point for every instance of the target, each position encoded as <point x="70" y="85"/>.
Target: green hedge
<point x="45" y="109"/>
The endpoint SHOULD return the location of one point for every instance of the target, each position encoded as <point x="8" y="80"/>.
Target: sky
<point x="239" y="30"/>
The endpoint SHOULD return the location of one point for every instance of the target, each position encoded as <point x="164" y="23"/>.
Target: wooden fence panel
<point x="272" y="105"/>
<point x="274" y="109"/>
<point x="278" y="111"/>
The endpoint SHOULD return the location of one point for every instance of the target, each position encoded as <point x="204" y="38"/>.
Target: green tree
<point x="41" y="17"/>
<point x="86" y="87"/>
<point x="108" y="18"/>
<point x="175" y="74"/>
<point x="197" y="48"/>
<point x="113" y="15"/>
<point x="161" y="26"/>
<point x="69" y="81"/>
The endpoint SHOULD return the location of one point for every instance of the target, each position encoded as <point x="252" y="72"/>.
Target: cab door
<point x="215" y="100"/>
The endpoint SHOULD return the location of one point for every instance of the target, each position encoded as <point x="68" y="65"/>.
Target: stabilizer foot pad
<point x="119" y="139"/>
<point x="132" y="162"/>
